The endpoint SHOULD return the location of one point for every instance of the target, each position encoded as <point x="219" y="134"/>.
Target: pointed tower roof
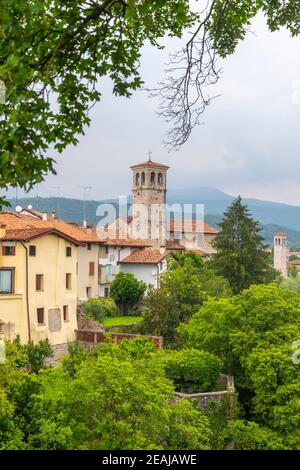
<point x="150" y="164"/>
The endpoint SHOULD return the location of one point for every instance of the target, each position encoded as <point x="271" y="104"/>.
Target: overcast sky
<point x="250" y="144"/>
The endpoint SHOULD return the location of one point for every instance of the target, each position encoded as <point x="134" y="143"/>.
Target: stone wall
<point x="95" y="337"/>
<point x="204" y="398"/>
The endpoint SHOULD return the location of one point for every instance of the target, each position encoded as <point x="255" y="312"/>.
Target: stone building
<point x="149" y="188"/>
<point x="281" y="253"/>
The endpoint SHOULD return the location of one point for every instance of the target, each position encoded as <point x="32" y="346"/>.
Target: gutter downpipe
<point x="27" y="293"/>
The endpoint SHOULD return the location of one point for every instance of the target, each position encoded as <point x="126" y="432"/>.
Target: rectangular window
<point x="68" y="251"/>
<point x="89" y="246"/>
<point x="32" y="250"/>
<point x="66" y="312"/>
<point x="39" y="282"/>
<point x="68" y="281"/>
<point x="8" y="250"/>
<point x="92" y="268"/>
<point x="106" y="292"/>
<point x="106" y="250"/>
<point x="6" y="281"/>
<point x="89" y="292"/>
<point x="40" y="315"/>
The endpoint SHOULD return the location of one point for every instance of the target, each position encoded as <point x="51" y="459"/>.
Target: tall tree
<point x="241" y="257"/>
<point x="53" y="53"/>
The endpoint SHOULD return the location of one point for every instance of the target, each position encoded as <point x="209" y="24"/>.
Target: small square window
<point x="8" y="250"/>
<point x="32" y="250"/>
<point x="66" y="312"/>
<point x="68" y="251"/>
<point x="40" y="315"/>
<point x="39" y="282"/>
<point x="68" y="281"/>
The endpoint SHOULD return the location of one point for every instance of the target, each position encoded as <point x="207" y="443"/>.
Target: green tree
<point x="291" y="283"/>
<point x="183" y="289"/>
<point x="99" y="309"/>
<point x="293" y="273"/>
<point x="126" y="290"/>
<point x="253" y="333"/>
<point x="241" y="257"/>
<point x="191" y="369"/>
<point x="117" y="399"/>
<point x="53" y="54"/>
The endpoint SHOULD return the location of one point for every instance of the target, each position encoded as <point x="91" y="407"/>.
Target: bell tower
<point x="149" y="188"/>
<point x="280" y="253"/>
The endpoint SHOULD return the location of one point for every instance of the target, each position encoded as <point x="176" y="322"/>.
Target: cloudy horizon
<point x="248" y="145"/>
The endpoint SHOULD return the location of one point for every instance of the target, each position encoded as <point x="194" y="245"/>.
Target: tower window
<point x="143" y="178"/>
<point x="152" y="178"/>
<point x="137" y="179"/>
<point x="160" y="178"/>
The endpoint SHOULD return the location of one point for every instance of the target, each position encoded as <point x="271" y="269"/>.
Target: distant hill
<point x="267" y="231"/>
<point x="272" y="215"/>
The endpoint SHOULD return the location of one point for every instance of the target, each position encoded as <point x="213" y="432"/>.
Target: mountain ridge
<point x="272" y="215"/>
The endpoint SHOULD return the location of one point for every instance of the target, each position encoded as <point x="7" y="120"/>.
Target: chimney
<point x="2" y="230"/>
<point x="53" y="214"/>
<point x="44" y="216"/>
<point x="84" y="224"/>
<point x="29" y="206"/>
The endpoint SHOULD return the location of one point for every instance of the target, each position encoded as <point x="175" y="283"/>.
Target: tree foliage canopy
<point x="53" y="53"/>
<point x="183" y="289"/>
<point x="126" y="290"/>
<point x="113" y="397"/>
<point x="254" y="333"/>
<point x="241" y="257"/>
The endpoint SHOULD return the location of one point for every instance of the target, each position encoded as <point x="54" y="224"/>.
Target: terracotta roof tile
<point x="27" y="234"/>
<point x="151" y="164"/>
<point x="191" y="226"/>
<point x="146" y="256"/>
<point x="171" y="245"/>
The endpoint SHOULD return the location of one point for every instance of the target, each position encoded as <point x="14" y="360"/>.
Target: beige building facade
<point x="38" y="285"/>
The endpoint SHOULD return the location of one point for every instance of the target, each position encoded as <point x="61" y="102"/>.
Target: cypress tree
<point x="241" y="257"/>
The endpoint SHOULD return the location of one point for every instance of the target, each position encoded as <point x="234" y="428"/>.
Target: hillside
<point x="272" y="215"/>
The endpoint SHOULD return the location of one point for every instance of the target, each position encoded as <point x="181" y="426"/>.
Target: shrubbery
<point x="99" y="309"/>
<point x="191" y="369"/>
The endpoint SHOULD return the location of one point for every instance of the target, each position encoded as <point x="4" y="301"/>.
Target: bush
<point x="127" y="290"/>
<point x="98" y="309"/>
<point x="192" y="369"/>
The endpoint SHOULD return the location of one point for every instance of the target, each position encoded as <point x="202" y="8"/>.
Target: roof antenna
<point x="150" y="154"/>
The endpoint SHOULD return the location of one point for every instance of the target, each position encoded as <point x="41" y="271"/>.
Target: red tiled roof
<point x="200" y="253"/>
<point x="145" y="256"/>
<point x="15" y="221"/>
<point x="31" y="233"/>
<point x="126" y="242"/>
<point x="171" y="245"/>
<point x="191" y="226"/>
<point x="151" y="164"/>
